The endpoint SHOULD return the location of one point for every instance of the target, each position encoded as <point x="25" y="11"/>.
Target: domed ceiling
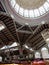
<point x="33" y="12"/>
<point x="32" y="4"/>
<point x="31" y="9"/>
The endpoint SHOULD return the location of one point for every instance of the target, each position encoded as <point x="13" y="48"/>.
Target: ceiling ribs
<point x="12" y="28"/>
<point x="7" y="22"/>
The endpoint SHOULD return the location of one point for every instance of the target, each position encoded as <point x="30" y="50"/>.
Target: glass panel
<point x="46" y="6"/>
<point x="13" y="3"/>
<point x="31" y="13"/>
<point x="16" y="8"/>
<point x="4" y="47"/>
<point x="14" y="44"/>
<point x="21" y="11"/>
<point x="26" y="13"/>
<point x="44" y="52"/>
<point x="26" y="46"/>
<point x="48" y="0"/>
<point x="41" y="10"/>
<point x="37" y="55"/>
<point x="31" y="49"/>
<point x="2" y="27"/>
<point x="36" y="13"/>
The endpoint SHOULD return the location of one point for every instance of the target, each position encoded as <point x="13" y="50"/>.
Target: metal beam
<point x="30" y="28"/>
<point x="2" y="42"/>
<point x="38" y="44"/>
<point x="35" y="37"/>
<point x="36" y="41"/>
<point x="9" y="31"/>
<point x="10" y="48"/>
<point x="23" y="31"/>
<point x="20" y="27"/>
<point x="33" y="33"/>
<point x="16" y="32"/>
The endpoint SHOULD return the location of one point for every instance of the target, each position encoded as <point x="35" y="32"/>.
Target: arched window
<point x="44" y="52"/>
<point x="37" y="55"/>
<point x="0" y="59"/>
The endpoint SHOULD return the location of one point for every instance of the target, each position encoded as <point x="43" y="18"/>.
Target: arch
<point x="37" y="55"/>
<point x="44" y="52"/>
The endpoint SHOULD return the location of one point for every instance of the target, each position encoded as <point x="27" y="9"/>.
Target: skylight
<point x="26" y="46"/>
<point x="14" y="44"/>
<point x="31" y="49"/>
<point x="4" y="47"/>
<point x="36" y="12"/>
<point x="26" y="13"/>
<point x="41" y="10"/>
<point x="21" y="11"/>
<point x="13" y="3"/>
<point x="46" y="6"/>
<point x="47" y="39"/>
<point x="48" y="0"/>
<point x="33" y="13"/>
<point x="1" y="27"/>
<point x="16" y="8"/>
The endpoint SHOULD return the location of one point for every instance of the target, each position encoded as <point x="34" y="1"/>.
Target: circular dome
<point x="30" y="9"/>
<point x="30" y="4"/>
